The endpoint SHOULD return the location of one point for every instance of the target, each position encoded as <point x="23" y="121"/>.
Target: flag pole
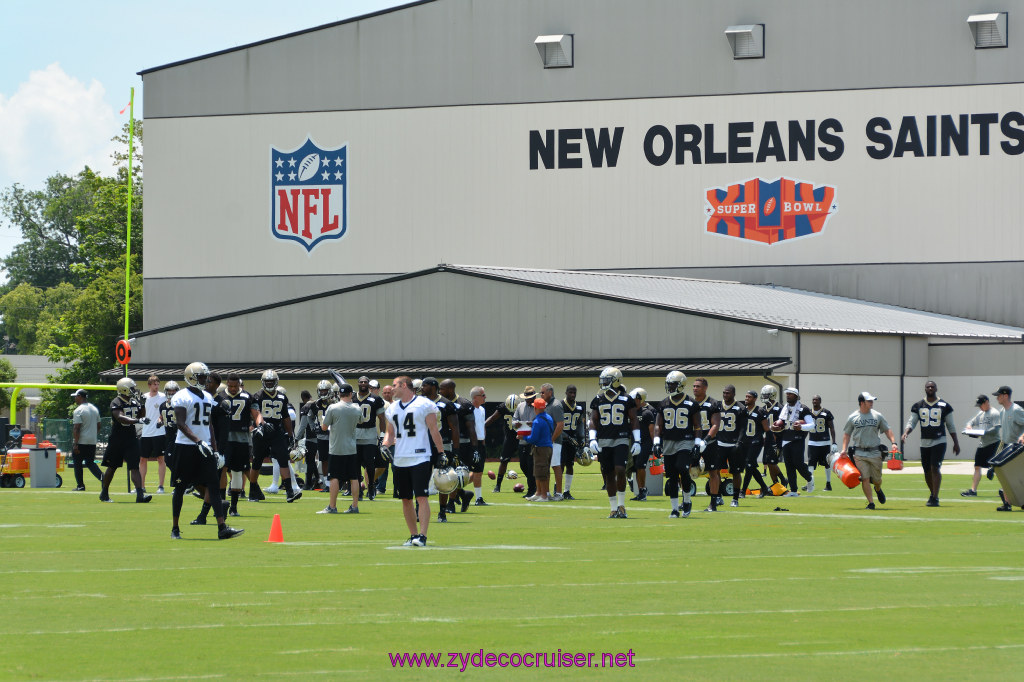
<point x="128" y="249"/>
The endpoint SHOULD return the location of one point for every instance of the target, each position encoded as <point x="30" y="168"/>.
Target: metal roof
<point x="759" y="304"/>
<point x="739" y="366"/>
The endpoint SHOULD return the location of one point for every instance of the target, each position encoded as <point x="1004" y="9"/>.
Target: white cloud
<point x="54" y="123"/>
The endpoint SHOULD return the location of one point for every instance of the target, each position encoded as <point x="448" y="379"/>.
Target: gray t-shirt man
<point x="1011" y="423"/>
<point x="864" y="428"/>
<point x="988" y="422"/>
<point x="88" y="417"/>
<point x="341" y="418"/>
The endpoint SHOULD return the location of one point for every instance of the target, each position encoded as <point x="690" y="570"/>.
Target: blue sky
<point x="66" y="69"/>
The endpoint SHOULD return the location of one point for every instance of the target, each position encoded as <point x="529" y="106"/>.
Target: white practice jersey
<point x="197" y="414"/>
<point x="412" y="440"/>
<point x="152" y="406"/>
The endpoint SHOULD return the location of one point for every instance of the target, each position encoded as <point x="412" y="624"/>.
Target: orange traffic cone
<point x="275" y="530"/>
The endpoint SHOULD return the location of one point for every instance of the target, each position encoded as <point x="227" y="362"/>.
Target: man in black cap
<point x="987" y="422"/>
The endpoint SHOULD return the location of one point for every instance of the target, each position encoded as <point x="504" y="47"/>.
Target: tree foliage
<point x="64" y="297"/>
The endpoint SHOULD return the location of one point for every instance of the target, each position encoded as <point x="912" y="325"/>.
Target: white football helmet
<point x="446" y="480"/>
<point x="269" y="381"/>
<point x="675" y="383"/>
<point x="298" y="453"/>
<point x="196" y="374"/>
<point x="464" y="476"/>
<point x="639" y="394"/>
<point x="417" y="384"/>
<point x="511" y="473"/>
<point x="126" y="388"/>
<point x="323" y="389"/>
<point x="584" y="457"/>
<point x="769" y="393"/>
<point x="171" y="387"/>
<point x="610" y="379"/>
<point x="335" y="393"/>
<point x="512" y="401"/>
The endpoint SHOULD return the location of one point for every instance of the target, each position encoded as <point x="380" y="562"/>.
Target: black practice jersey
<point x="795" y="416"/>
<point x="753" y="432"/>
<point x="612" y="416"/>
<point x="733" y="424"/>
<point x="705" y="411"/>
<point x="678" y="418"/>
<point x="167" y="417"/>
<point x="371" y="406"/>
<point x="575" y="418"/>
<point x="646" y="416"/>
<point x="464" y="411"/>
<point x="932" y="417"/>
<point x="129" y="408"/>
<point x="316" y="409"/>
<point x="273" y="407"/>
<point x="509" y="430"/>
<point x="773" y="411"/>
<point x="239" y="410"/>
<point x="822" y="420"/>
<point x="309" y="433"/>
<point x="220" y="419"/>
<point x="447" y="409"/>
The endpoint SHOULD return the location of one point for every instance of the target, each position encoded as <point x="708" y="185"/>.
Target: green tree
<point x="9" y="375"/>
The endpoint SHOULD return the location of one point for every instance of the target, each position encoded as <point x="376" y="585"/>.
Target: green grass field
<point x="826" y="589"/>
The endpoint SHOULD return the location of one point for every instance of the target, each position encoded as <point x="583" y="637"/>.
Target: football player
<point x="612" y="421"/>
<point x="151" y="444"/>
<point x="123" y="443"/>
<point x="791" y="428"/>
<point x="710" y="419"/>
<point x="467" y="443"/>
<point x="412" y="431"/>
<point x="272" y="442"/>
<point x="197" y="459"/>
<point x="674" y="437"/>
<point x="506" y="412"/>
<point x="237" y="447"/>
<point x="306" y="431"/>
<point x="935" y="416"/>
<point x="645" y="416"/>
<point x="752" y="441"/>
<point x="772" y="446"/>
<point x="822" y="440"/>
<point x="371" y="423"/>
<point x="167" y="421"/>
<point x="574" y="415"/>
<point x="732" y="425"/>
<point x="449" y="428"/>
<point x="219" y="421"/>
<point x="314" y="417"/>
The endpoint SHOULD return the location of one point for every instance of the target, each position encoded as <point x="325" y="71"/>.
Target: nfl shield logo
<point x="309" y="193"/>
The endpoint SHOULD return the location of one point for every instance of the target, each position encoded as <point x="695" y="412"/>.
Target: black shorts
<point x="236" y="455"/>
<point x="931" y="457"/>
<point x="170" y="438"/>
<point x="191" y="468"/>
<point x="568" y="456"/>
<point x="151" y="447"/>
<point x="711" y="457"/>
<point x="509" y="447"/>
<point x="378" y="459"/>
<point x="982" y="455"/>
<point x="122" y="452"/>
<point x="274" y="446"/>
<point x="772" y="455"/>
<point x="732" y="458"/>
<point x="466" y="451"/>
<point x="818" y="455"/>
<point x="412" y="481"/>
<point x="343" y="467"/>
<point x="751" y="449"/>
<point x="613" y="457"/>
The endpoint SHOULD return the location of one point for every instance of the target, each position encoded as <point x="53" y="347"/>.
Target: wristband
<point x="657" y="440"/>
<point x="593" y="434"/>
<point x="636" y="435"/>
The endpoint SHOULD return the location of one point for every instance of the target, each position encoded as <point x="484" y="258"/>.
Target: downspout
<point x="797" y="384"/>
<point x="903" y="370"/>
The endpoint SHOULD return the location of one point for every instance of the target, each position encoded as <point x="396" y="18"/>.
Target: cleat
<point x="450" y="508"/>
<point x="810" y="484"/>
<point x="674" y="514"/>
<point x="160" y="490"/>
<point x="442" y="517"/>
<point x="1004" y="507"/>
<point x="880" y="495"/>
<point x="351" y="510"/>
<point x="408" y="543"/>
<point x="294" y="496"/>
<point x="175" y="534"/>
<point x="792" y="493"/>
<point x="734" y="503"/>
<point x="969" y="493"/>
<point x="255" y="494"/>
<point x="480" y="503"/>
<point x="614" y="514"/>
<point x="198" y="521"/>
<point x="718" y="501"/>
<point x="622" y="513"/>
<point x="419" y="541"/>
<point x="233" y="512"/>
<point x="328" y="510"/>
<point x="227" y="532"/>
<point x="144" y="499"/>
<point x="104" y="497"/>
<point x="467" y="499"/>
<point x="990" y="474"/>
<point x="687" y="507"/>
<point x="828" y="486"/>
<point x="932" y="502"/>
<point x="80" y="489"/>
<point x="871" y="505"/>
<point x="272" y="490"/>
<point x="763" y="494"/>
<point x="711" y="508"/>
<point x="557" y="497"/>
<point x="497" y="489"/>
<point x="567" y="496"/>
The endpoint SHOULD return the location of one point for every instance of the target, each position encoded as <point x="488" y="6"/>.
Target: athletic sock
<point x="568" y="482"/>
<point x="205" y="511"/>
<point x="686" y="497"/>
<point x="234" y="499"/>
<point x="675" y="504"/>
<point x="621" y="497"/>
<point x="613" y="502"/>
<point x="478" y="492"/>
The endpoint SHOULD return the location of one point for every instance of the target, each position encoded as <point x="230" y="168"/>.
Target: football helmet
<point x="126" y="388"/>
<point x="269" y="381"/>
<point x="640" y="393"/>
<point x="610" y="379"/>
<point x="446" y="480"/>
<point x="675" y="383"/>
<point x="511" y="402"/>
<point x="584" y="457"/>
<point x="417" y="384"/>
<point x="335" y="393"/>
<point x="323" y="389"/>
<point x="464" y="476"/>
<point x="298" y="453"/>
<point x="769" y="393"/>
<point x="511" y="473"/>
<point x="171" y="387"/>
<point x="196" y="374"/>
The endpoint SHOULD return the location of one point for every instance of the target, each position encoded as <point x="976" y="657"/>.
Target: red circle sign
<point x="123" y="352"/>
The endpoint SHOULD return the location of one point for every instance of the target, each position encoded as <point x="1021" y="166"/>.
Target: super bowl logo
<point x="769" y="211"/>
<point x="309" y="193"/>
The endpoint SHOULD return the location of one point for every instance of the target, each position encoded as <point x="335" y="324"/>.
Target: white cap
<point x="793" y="391"/>
<point x="864" y="395"/>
